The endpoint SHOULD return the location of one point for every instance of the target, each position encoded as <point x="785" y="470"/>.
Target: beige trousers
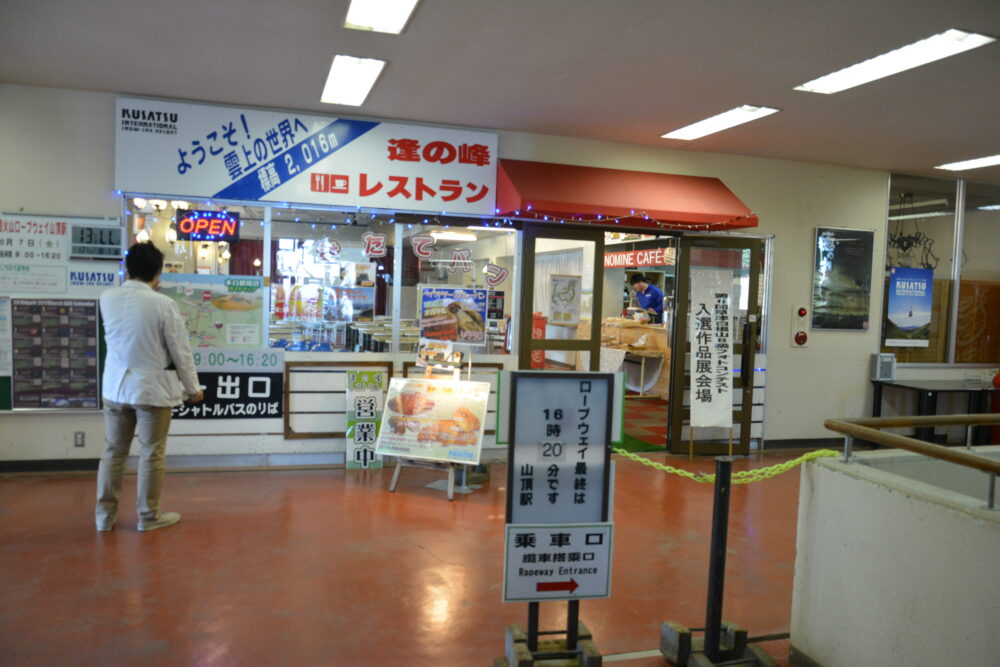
<point x="122" y="422"/>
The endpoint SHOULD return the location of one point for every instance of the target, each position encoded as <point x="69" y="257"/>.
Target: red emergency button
<point x="801" y="337"/>
<point x="803" y="312"/>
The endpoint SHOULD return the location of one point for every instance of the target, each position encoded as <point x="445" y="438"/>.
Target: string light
<point x="643" y="215"/>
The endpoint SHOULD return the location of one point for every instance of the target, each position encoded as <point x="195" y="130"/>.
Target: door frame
<point x="526" y="344"/>
<point x="746" y="347"/>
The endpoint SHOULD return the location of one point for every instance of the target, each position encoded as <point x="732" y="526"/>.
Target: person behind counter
<point x="149" y="369"/>
<point x="650" y="297"/>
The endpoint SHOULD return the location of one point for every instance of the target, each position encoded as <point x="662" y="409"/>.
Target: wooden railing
<point x="868" y="429"/>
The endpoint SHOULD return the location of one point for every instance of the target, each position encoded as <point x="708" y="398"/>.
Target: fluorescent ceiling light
<point x="948" y="43"/>
<point x="917" y="204"/>
<point x="454" y="236"/>
<point x="930" y="214"/>
<point x="493" y="229"/>
<point x="971" y="164"/>
<point x="723" y="121"/>
<point x="379" y="15"/>
<point x="991" y="207"/>
<point x="350" y="80"/>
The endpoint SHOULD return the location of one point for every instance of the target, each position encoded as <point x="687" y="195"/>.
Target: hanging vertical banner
<point x="908" y="317"/>
<point x="365" y="391"/>
<point x="711" y="348"/>
<point x="564" y="302"/>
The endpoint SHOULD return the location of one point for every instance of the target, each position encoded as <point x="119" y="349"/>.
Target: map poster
<point x="237" y="395"/>
<point x="457" y="314"/>
<point x="365" y="390"/>
<point x="436" y="420"/>
<point x="55" y="349"/>
<point x="908" y="318"/>
<point x="564" y="300"/>
<point x="220" y="310"/>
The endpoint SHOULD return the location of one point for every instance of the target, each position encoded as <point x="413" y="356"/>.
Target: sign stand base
<point x="550" y="651"/>
<point x="440" y="485"/>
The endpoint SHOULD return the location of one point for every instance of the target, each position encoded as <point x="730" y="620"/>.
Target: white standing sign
<point x="559" y="458"/>
<point x="711" y="348"/>
<point x="200" y="150"/>
<point x="557" y="562"/>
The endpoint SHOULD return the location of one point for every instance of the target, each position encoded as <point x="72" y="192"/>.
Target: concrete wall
<point x="58" y="147"/>
<point x="892" y="571"/>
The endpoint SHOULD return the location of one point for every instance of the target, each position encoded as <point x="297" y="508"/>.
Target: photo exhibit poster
<point x="365" y="390"/>
<point x="842" y="278"/>
<point x="457" y="314"/>
<point x="711" y="348"/>
<point x="436" y="420"/>
<point x="908" y="317"/>
<point x="564" y="300"/>
<point x="220" y="310"/>
<point x="55" y="353"/>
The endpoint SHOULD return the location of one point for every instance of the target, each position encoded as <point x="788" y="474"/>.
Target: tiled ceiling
<point x="620" y="70"/>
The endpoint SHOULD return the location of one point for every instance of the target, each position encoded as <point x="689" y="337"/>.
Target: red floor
<point x="646" y="419"/>
<point x="325" y="567"/>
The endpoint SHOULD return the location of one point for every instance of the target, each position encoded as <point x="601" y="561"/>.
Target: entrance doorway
<point x="737" y="264"/>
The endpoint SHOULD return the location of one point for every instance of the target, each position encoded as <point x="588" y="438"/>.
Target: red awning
<point x="637" y="198"/>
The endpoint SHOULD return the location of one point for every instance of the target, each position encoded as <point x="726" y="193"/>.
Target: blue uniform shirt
<point x="652" y="298"/>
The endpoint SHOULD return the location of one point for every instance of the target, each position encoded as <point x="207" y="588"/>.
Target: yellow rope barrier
<point x="741" y="477"/>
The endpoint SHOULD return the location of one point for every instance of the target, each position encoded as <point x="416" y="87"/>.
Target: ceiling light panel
<point x="978" y="163"/>
<point x="350" y="80"/>
<point x="389" y="16"/>
<point x="723" y="121"/>
<point x="948" y="43"/>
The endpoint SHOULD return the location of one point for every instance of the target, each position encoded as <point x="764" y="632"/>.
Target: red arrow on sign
<point x="568" y="586"/>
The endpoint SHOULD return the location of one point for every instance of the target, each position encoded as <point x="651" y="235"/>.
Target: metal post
<point x="991" y="493"/>
<point x="717" y="556"/>
<point x="848" y="448"/>
<point x="533" y="626"/>
<point x="572" y="624"/>
<point x="968" y="436"/>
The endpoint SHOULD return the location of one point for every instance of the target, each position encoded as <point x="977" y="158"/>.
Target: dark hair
<point x="637" y="278"/>
<point x="143" y="262"/>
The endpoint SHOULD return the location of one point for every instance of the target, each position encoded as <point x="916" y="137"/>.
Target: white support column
<point x="397" y="287"/>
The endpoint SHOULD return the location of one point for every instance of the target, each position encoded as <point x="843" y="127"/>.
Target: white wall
<point x="59" y="147"/>
<point x="891" y="571"/>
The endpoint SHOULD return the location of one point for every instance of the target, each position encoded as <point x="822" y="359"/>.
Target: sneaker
<point x="105" y="527"/>
<point x="166" y="519"/>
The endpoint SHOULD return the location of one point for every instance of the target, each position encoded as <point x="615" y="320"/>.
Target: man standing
<point x="650" y="297"/>
<point x="149" y="369"/>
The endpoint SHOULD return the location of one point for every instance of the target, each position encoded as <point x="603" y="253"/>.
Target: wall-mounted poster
<point x="842" y="278"/>
<point x="437" y="420"/>
<point x="457" y="314"/>
<point x="908" y="318"/>
<point x="564" y="300"/>
<point x="219" y="311"/>
<point x="55" y="353"/>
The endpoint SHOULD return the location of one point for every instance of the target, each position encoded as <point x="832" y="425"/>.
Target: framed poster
<point x="219" y="311"/>
<point x="564" y="299"/>
<point x="908" y="316"/>
<point x="457" y="314"/>
<point x="842" y="278"/>
<point x="436" y="420"/>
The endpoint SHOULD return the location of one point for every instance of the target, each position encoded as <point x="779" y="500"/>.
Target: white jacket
<point x="145" y="335"/>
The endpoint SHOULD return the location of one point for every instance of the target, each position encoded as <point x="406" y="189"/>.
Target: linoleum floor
<point x="327" y="567"/>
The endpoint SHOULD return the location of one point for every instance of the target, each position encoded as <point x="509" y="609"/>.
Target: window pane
<point x="978" y="335"/>
<point x="920" y="237"/>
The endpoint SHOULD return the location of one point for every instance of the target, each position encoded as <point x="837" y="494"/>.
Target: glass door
<point x="716" y="334"/>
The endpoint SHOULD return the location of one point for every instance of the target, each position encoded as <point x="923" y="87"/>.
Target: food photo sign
<point x="457" y="314"/>
<point x="436" y="420"/>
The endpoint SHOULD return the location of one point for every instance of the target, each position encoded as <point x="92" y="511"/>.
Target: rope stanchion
<point x="741" y="477"/>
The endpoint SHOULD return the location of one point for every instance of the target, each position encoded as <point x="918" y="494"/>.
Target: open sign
<point x="208" y="226"/>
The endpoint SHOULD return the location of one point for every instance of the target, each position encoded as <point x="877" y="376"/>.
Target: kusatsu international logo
<point x="148" y="121"/>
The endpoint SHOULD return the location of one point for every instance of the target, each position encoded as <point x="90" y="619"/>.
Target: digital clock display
<point x="96" y="242"/>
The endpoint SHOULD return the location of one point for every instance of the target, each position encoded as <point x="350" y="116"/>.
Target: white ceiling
<point x="621" y="70"/>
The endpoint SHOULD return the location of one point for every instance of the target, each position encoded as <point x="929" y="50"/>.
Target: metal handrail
<point x="867" y="428"/>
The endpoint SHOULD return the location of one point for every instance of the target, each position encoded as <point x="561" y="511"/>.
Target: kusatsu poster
<point x="245" y="154"/>
<point x="219" y="311"/>
<point x="908" y="318"/>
